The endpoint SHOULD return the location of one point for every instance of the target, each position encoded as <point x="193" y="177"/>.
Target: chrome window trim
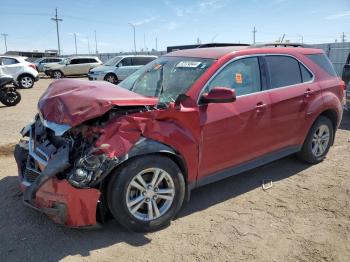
<point x="262" y="91"/>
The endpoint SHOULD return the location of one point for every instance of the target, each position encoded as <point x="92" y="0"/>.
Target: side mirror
<point x="219" y="95"/>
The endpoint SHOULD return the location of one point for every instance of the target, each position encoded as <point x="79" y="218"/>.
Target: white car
<point x="23" y="72"/>
<point x="119" y="67"/>
<point x="72" y="66"/>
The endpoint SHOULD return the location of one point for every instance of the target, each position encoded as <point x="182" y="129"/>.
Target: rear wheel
<point x="318" y="141"/>
<point x="26" y="81"/>
<point x="147" y="193"/>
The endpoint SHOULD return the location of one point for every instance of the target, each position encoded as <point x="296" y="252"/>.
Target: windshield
<point x="64" y="61"/>
<point x="167" y="77"/>
<point x="113" y="61"/>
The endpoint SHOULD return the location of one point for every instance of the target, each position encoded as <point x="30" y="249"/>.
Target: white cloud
<point x="338" y="15"/>
<point x="199" y="8"/>
<point x="145" y="21"/>
<point x="170" y="26"/>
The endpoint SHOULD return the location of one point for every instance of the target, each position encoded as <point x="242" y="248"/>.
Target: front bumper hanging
<point x="57" y="198"/>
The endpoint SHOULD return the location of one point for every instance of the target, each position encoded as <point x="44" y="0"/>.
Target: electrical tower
<point x="56" y="19"/>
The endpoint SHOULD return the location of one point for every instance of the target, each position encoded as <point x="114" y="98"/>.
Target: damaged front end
<point x="60" y="170"/>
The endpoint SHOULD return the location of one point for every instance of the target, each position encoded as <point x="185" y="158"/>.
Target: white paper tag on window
<point x="191" y="64"/>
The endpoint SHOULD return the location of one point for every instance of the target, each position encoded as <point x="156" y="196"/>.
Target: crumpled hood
<point x="72" y="102"/>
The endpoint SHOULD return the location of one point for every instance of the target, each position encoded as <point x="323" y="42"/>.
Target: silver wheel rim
<point x="110" y="79"/>
<point x="320" y="140"/>
<point x="26" y="81"/>
<point x="150" y="194"/>
<point x="57" y="75"/>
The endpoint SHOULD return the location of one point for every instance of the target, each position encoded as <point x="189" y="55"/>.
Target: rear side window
<point x="92" y="60"/>
<point x="283" y="71"/>
<point x="322" y="61"/>
<point x="8" y="61"/>
<point x="306" y="76"/>
<point x="75" y="61"/>
<point x="125" y="62"/>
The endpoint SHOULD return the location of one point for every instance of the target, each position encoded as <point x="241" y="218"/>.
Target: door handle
<point x="308" y="93"/>
<point x="260" y="107"/>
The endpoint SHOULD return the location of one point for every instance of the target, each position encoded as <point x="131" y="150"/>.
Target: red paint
<point x="81" y="203"/>
<point x="71" y="101"/>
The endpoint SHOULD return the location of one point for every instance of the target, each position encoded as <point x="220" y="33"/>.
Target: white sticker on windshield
<point x="191" y="64"/>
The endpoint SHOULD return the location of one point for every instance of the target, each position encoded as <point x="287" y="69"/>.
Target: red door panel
<point x="233" y="133"/>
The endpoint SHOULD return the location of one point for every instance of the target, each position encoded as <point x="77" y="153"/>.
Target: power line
<point x="5" y="36"/>
<point x="56" y="19"/>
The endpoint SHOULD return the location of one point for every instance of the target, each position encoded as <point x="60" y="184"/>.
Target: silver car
<point x="120" y="67"/>
<point x="41" y="62"/>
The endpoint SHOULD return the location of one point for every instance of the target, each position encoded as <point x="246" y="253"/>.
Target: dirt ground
<point x="305" y="216"/>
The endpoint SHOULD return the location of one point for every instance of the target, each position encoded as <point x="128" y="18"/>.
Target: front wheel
<point x="56" y="74"/>
<point x="147" y="193"/>
<point x="318" y="141"/>
<point x="26" y="81"/>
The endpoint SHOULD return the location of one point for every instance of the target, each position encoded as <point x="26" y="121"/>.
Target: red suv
<point x="186" y="119"/>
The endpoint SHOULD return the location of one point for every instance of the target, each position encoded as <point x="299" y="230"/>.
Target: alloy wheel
<point x="320" y="140"/>
<point x="150" y="194"/>
<point x="57" y="74"/>
<point x="26" y="82"/>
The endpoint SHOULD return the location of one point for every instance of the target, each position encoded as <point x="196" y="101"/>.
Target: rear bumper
<point x="58" y="199"/>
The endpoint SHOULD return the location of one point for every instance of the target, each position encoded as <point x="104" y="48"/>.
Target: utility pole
<point x="88" y="44"/>
<point x="156" y="43"/>
<point x="144" y="41"/>
<point x="5" y="36"/>
<point x="95" y="43"/>
<point x="75" y="41"/>
<point x="343" y="37"/>
<point x="133" y="27"/>
<point x="56" y="19"/>
<point x="254" y="32"/>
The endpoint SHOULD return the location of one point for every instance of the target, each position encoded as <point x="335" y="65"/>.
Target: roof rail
<point x="220" y="45"/>
<point x="282" y="45"/>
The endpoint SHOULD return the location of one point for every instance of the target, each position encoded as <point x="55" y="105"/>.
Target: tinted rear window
<point x="283" y="71"/>
<point x="323" y="61"/>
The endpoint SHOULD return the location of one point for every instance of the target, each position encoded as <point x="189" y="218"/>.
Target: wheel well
<point x="24" y="74"/>
<point x="331" y="115"/>
<point x="111" y="73"/>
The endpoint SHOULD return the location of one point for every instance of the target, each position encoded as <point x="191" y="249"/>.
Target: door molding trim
<point x="251" y="164"/>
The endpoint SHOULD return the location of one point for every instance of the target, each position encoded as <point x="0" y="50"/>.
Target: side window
<point x="242" y="75"/>
<point x="55" y="60"/>
<point x="306" y="76"/>
<point x="139" y="61"/>
<point x="85" y="61"/>
<point x="125" y="62"/>
<point x="8" y="61"/>
<point x="283" y="71"/>
<point x="322" y="61"/>
<point x="92" y="60"/>
<point x="75" y="61"/>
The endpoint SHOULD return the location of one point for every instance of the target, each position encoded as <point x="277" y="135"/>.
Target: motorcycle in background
<point x="9" y="96"/>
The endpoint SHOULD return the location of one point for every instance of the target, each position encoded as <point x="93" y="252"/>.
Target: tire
<point x="122" y="193"/>
<point x="318" y="141"/>
<point x="56" y="74"/>
<point x="112" y="78"/>
<point x="26" y="81"/>
<point x="10" y="98"/>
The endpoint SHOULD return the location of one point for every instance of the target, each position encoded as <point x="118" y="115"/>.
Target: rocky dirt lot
<point x="305" y="216"/>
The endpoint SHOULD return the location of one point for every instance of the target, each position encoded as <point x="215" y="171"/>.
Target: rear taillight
<point x="33" y="66"/>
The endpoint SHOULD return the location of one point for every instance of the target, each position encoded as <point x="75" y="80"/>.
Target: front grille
<point x="30" y="174"/>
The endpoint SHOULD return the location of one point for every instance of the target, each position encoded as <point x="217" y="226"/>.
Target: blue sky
<point x="29" y="27"/>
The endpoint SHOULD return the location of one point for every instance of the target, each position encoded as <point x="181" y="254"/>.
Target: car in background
<point x="23" y="72"/>
<point x="346" y="79"/>
<point x="120" y="67"/>
<point x="72" y="66"/>
<point x="41" y="62"/>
